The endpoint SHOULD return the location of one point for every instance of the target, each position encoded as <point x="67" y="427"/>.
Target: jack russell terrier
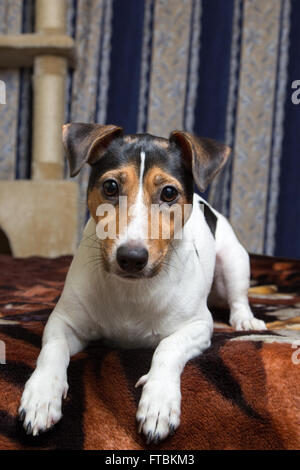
<point x="137" y="290"/>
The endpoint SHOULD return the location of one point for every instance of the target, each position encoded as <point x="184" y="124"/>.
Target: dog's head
<point x="140" y="189"/>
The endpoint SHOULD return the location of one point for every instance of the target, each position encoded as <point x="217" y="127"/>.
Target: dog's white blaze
<point x="142" y="169"/>
<point x="139" y="199"/>
<point x="138" y="226"/>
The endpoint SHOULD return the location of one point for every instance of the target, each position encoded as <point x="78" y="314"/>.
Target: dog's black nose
<point x="132" y="258"/>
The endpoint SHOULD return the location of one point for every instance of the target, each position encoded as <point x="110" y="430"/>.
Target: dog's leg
<point x="232" y="279"/>
<point x="41" y="401"/>
<point x="158" y="412"/>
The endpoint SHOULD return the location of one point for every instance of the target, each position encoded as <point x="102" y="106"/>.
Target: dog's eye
<point x="169" y="194"/>
<point x="110" y="188"/>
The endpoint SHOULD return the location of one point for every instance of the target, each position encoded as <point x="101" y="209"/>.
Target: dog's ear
<point x="86" y="143"/>
<point x="204" y="157"/>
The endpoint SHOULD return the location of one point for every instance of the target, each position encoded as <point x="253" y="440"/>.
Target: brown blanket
<point x="242" y="393"/>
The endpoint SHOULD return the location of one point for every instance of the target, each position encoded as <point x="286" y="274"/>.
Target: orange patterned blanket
<point x="242" y="393"/>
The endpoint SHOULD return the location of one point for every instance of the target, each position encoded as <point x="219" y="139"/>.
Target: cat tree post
<point x="49" y="95"/>
<point x="39" y="216"/>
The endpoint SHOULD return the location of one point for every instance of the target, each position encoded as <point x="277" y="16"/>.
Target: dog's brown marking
<point x="127" y="178"/>
<point x="129" y="139"/>
<point x="128" y="181"/>
<point x="161" y="142"/>
<point x="155" y="180"/>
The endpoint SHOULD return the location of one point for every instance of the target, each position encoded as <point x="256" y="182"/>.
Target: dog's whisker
<point x="176" y="252"/>
<point x="92" y="238"/>
<point x="91" y="247"/>
<point x="169" y="265"/>
<point x="92" y="260"/>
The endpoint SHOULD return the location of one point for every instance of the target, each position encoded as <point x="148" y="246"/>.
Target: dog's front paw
<point x="158" y="412"/>
<point x="40" y="406"/>
<point x="250" y="323"/>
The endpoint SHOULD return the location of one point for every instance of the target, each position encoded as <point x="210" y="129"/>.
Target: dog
<point x="135" y="290"/>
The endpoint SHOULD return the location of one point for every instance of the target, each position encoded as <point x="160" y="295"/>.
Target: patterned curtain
<point x="219" y="68"/>
<point x="15" y="115"/>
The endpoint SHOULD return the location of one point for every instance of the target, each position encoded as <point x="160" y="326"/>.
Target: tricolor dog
<point x="134" y="289"/>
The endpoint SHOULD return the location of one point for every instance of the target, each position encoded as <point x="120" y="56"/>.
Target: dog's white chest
<point x="130" y="322"/>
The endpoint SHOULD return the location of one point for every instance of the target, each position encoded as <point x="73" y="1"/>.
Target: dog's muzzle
<point x="132" y="258"/>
